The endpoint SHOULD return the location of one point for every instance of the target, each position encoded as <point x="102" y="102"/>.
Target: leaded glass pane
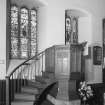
<point x="14" y="47"/>
<point x="14" y="32"/>
<point x="75" y="29"/>
<point x="33" y="32"/>
<point x="71" y="28"/>
<point x="23" y="37"/>
<point x="24" y="47"/>
<point x="24" y="33"/>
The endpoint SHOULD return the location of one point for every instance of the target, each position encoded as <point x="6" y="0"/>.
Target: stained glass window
<point x="23" y="32"/>
<point x="71" y="28"/>
<point x="75" y="29"/>
<point x="33" y="32"/>
<point x="14" y="32"/>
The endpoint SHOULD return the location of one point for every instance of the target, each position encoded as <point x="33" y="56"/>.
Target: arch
<point x="78" y="12"/>
<point x="84" y="24"/>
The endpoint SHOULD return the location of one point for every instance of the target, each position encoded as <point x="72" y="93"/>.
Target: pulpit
<point x="65" y="62"/>
<point x="64" y="59"/>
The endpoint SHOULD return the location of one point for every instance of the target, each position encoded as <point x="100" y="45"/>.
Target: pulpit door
<point x="62" y="62"/>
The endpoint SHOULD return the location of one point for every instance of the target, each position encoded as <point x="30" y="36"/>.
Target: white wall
<point x="52" y="26"/>
<point x="93" y="73"/>
<point x="2" y="39"/>
<point x="84" y="31"/>
<point x="55" y="25"/>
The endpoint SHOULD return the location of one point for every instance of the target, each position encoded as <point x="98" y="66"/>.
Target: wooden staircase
<point x="30" y="93"/>
<point x="27" y="81"/>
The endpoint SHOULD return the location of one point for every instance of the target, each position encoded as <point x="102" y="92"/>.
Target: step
<point x="30" y="90"/>
<point x="22" y="103"/>
<point x="73" y="95"/>
<point x="36" y="84"/>
<point x="43" y="79"/>
<point x="75" y="76"/>
<point x="24" y="97"/>
<point x="48" y="74"/>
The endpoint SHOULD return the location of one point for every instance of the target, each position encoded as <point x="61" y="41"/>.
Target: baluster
<point x="12" y="88"/>
<point x="22" y="74"/>
<point x="28" y="73"/>
<point x="18" y="88"/>
<point x="38" y="67"/>
<point x="31" y="71"/>
<point x="14" y="81"/>
<point x="25" y="79"/>
<point x="42" y="63"/>
<point x="20" y="79"/>
<point x="41" y="69"/>
<point x="35" y="69"/>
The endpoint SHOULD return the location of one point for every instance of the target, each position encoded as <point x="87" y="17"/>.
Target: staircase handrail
<point x="27" y="70"/>
<point x="25" y="62"/>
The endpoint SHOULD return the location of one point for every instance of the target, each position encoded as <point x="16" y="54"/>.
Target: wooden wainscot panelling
<point x="2" y="92"/>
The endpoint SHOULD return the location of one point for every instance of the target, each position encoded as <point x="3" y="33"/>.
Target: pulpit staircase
<point x="27" y="81"/>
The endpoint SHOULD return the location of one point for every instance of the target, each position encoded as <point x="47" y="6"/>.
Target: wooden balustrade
<point x="22" y="74"/>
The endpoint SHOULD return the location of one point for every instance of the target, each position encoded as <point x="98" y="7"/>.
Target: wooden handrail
<point x="22" y="74"/>
<point x="25" y="62"/>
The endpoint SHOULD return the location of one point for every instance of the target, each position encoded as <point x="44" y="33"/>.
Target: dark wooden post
<point x="7" y="90"/>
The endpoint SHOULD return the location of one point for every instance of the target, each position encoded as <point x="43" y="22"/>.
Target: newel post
<point x="7" y="90"/>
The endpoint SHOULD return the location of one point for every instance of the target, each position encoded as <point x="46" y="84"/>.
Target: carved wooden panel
<point x="50" y="59"/>
<point x="63" y="59"/>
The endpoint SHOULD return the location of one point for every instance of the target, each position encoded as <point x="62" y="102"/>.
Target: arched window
<point x="33" y="32"/>
<point x="23" y="32"/>
<point x="14" y="32"/>
<point x="71" y="28"/>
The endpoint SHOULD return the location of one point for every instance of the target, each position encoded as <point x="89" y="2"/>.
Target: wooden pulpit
<point x="65" y="61"/>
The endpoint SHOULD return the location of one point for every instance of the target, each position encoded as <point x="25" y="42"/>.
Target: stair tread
<point x="22" y="103"/>
<point x="37" y="83"/>
<point x="24" y="96"/>
<point x="29" y="90"/>
<point x="43" y="80"/>
<point x="22" y="100"/>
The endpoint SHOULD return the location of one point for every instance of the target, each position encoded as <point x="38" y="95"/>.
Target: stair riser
<point x="29" y="91"/>
<point x="49" y="75"/>
<point x="22" y="103"/>
<point x="42" y="79"/>
<point x="24" y="97"/>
